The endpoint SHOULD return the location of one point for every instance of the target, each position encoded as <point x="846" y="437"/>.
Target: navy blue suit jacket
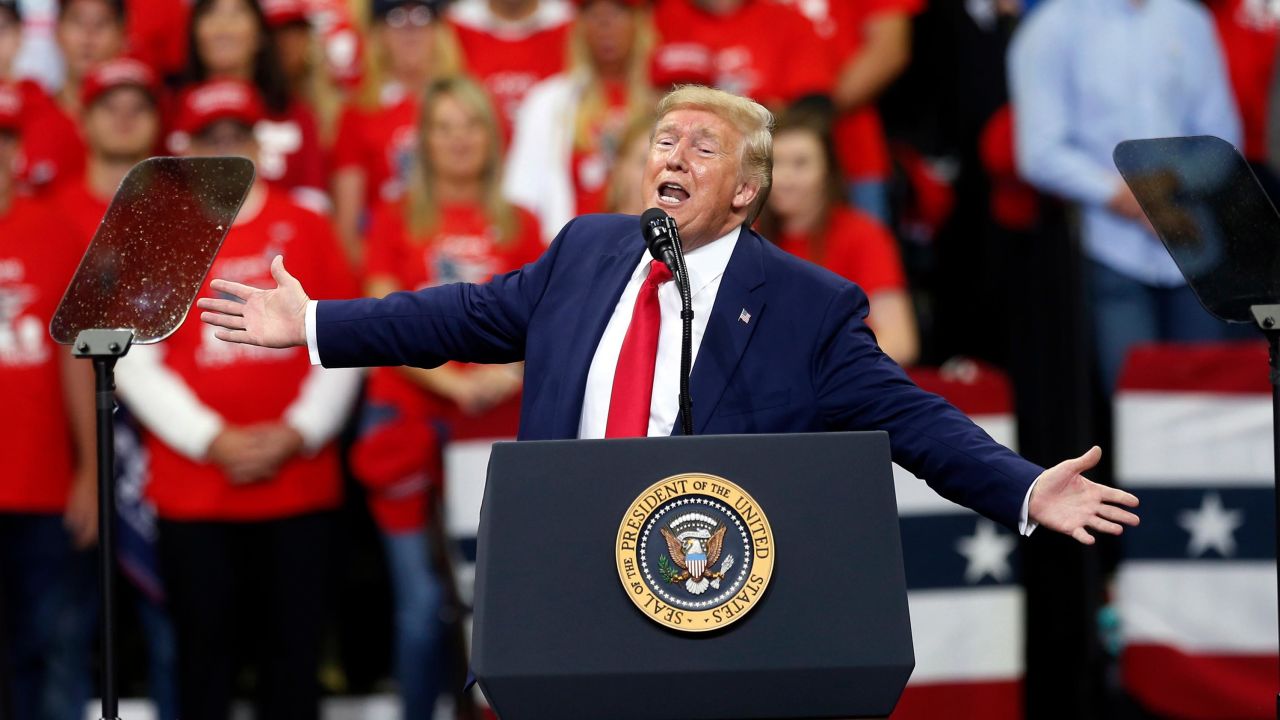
<point x="804" y="362"/>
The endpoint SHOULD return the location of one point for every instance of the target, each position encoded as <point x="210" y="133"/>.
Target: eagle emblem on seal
<point x="694" y="544"/>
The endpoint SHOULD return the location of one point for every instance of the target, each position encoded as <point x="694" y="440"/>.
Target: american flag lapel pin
<point x="744" y="317"/>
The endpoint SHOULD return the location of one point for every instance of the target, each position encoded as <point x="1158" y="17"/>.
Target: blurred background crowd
<point x="283" y="530"/>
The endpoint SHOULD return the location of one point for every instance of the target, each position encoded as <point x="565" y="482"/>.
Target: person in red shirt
<point x="48" y="482"/>
<point x="758" y="48"/>
<point x="230" y="40"/>
<point x="244" y="487"/>
<point x="452" y="226"/>
<point x="870" y="42"/>
<point x="153" y="35"/>
<point x="375" y="141"/>
<point x="89" y="32"/>
<point x="1249" y="32"/>
<point x="807" y="214"/>
<point x="511" y="45"/>
<point x="568" y="129"/>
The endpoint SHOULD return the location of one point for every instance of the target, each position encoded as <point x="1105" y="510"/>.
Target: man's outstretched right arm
<point x="483" y="323"/>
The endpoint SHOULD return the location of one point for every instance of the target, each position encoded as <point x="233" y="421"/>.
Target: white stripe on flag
<point x="1185" y="439"/>
<point x="915" y="497"/>
<point x="966" y="635"/>
<point x="1209" y="606"/>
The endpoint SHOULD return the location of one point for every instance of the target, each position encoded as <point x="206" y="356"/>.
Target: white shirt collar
<point x="706" y="263"/>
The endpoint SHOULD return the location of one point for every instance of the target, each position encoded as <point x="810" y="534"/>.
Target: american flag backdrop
<point x="1196" y="590"/>
<point x="967" y="605"/>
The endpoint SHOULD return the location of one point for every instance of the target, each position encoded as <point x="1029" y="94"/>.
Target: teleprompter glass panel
<point x="1212" y="215"/>
<point x="154" y="247"/>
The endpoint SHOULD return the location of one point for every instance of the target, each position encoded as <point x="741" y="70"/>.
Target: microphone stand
<point x="681" y="272"/>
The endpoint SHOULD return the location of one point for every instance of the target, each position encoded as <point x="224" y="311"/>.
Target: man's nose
<point x="676" y="157"/>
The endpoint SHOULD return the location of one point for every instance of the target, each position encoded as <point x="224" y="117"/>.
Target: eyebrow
<point x="698" y="134"/>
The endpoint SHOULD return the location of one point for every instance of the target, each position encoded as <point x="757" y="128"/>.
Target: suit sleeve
<point x="479" y="323"/>
<point x="860" y="388"/>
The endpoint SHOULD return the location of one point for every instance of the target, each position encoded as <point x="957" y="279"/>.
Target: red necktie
<point x="633" y="380"/>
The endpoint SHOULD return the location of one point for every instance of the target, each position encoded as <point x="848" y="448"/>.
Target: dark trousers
<point x="48" y="609"/>
<point x="248" y="590"/>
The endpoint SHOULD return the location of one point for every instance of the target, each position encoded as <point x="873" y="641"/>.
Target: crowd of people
<point x="407" y="143"/>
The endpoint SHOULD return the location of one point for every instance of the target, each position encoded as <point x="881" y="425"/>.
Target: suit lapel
<point x="734" y="317"/>
<point x="607" y="283"/>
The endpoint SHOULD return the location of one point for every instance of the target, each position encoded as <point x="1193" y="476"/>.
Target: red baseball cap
<point x="210" y="102"/>
<point x="280" y="13"/>
<point x="117" y="73"/>
<point x="10" y="107"/>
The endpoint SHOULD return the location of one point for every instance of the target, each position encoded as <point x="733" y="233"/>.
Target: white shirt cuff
<point x="1026" y="525"/>
<point x="313" y="348"/>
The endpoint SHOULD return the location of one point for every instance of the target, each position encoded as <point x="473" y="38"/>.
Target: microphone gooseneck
<point x="663" y="239"/>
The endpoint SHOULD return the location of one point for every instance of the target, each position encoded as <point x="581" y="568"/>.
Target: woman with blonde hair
<point x="452" y="225"/>
<point x="376" y="138"/>
<point x="568" y="130"/>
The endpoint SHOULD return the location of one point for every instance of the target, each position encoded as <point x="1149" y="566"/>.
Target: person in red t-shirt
<point x="244" y="486"/>
<point x="153" y="35"/>
<point x="89" y="32"/>
<point x="808" y="216"/>
<point x="870" y="41"/>
<point x="230" y="40"/>
<point x="48" y="482"/>
<point x="511" y="45"/>
<point x="569" y="127"/>
<point x="452" y="226"/>
<point x="758" y="48"/>
<point x="1249" y="32"/>
<point x="375" y="141"/>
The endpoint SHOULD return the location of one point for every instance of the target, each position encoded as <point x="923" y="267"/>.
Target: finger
<point x="1086" y="461"/>
<point x="278" y="272"/>
<point x="233" y="289"/>
<point x="1115" y="514"/>
<point x="235" y="336"/>
<point x="1119" y="497"/>
<point x="226" y="307"/>
<point x="1106" y="526"/>
<point x="231" y="322"/>
<point x="1082" y="536"/>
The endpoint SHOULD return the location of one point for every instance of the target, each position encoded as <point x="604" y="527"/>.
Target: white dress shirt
<point x="706" y="268"/>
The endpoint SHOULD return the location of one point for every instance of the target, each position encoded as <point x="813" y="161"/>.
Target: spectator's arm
<point x="78" y="398"/>
<point x="348" y="185"/>
<point x="885" y="53"/>
<point x="165" y="405"/>
<point x="893" y="320"/>
<point x="322" y="405"/>
<point x="1038" y="84"/>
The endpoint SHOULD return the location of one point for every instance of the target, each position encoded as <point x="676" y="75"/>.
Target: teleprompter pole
<point x="1268" y="320"/>
<point x="104" y="348"/>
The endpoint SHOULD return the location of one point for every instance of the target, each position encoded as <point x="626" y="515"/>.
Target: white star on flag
<point x="744" y="317"/>
<point x="1211" y="526"/>
<point x="987" y="552"/>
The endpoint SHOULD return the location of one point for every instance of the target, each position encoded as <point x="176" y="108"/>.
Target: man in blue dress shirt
<point x="1084" y="76"/>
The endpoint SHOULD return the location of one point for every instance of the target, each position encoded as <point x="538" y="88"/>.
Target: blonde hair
<point x="446" y="59"/>
<point x="593" y="103"/>
<point x="422" y="209"/>
<point x="752" y="119"/>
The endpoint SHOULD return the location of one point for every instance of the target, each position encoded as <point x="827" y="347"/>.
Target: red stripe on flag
<point x="1177" y="684"/>
<point x="974" y="387"/>
<point x="1234" y="367"/>
<point x="997" y="700"/>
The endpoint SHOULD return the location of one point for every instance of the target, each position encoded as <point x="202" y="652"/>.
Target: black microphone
<point x="663" y="238"/>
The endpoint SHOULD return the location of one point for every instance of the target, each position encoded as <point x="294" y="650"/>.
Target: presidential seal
<point x="695" y="552"/>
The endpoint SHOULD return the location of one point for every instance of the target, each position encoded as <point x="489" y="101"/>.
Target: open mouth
<point x="670" y="193"/>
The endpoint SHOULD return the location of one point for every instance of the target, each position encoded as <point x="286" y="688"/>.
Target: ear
<point x="745" y="195"/>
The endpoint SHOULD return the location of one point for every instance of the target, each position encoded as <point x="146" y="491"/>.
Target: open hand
<point x="273" y="318"/>
<point x="1066" y="501"/>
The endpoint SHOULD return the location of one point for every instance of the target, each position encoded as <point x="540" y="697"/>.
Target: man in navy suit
<point x="780" y="345"/>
